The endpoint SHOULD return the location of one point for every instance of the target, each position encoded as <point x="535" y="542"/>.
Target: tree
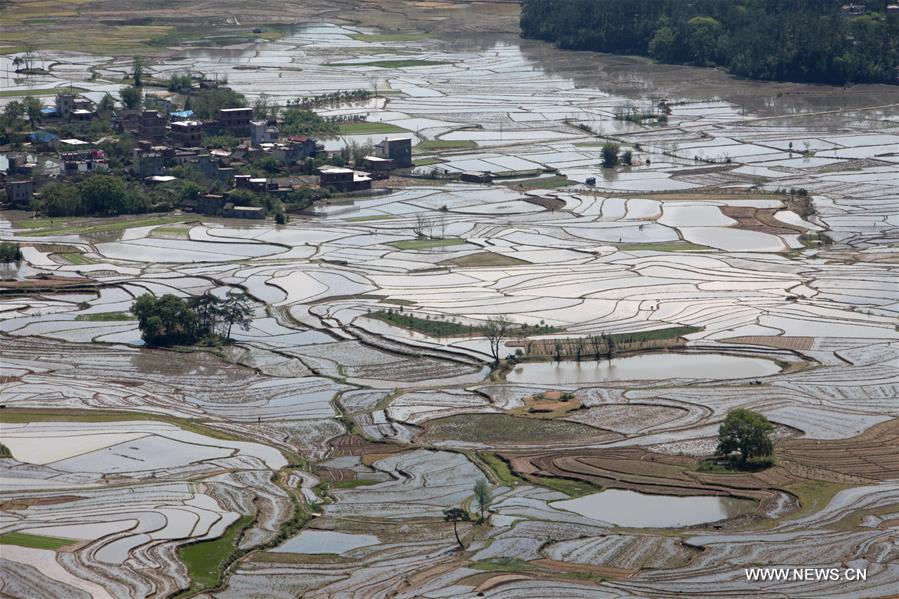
<point x="107" y="104"/>
<point x="13" y="112"/>
<point x="236" y="310"/>
<point x="456" y="515"/>
<point x="664" y="46"/>
<point x="705" y="32"/>
<point x="33" y="108"/>
<point x="747" y="432"/>
<point x="261" y="107"/>
<point x="497" y="329"/>
<point x="131" y="97"/>
<point x="208" y="308"/>
<point x="137" y="71"/>
<point x="483" y="495"/>
<point x="627" y="158"/>
<point x="610" y="154"/>
<point x="103" y="194"/>
<point x="167" y="320"/>
<point x="10" y="252"/>
<point x="58" y="199"/>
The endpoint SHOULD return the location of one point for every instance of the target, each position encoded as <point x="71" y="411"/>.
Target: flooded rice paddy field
<point x="375" y="430"/>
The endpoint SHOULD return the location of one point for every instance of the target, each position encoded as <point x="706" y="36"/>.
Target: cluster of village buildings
<point x="166" y="140"/>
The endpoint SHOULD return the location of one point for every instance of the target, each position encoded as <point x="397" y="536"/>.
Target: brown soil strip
<point x="604" y="571"/>
<point x="760" y="219"/>
<point x="872" y="455"/>
<point x="495" y="581"/>
<point x="797" y="343"/>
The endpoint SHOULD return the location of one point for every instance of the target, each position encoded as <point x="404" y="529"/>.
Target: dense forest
<point x="823" y="41"/>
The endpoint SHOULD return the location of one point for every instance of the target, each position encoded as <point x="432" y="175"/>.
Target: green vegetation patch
<point x="427" y="161"/>
<point x="388" y="37"/>
<point x="425" y="244"/>
<point x="675" y="246"/>
<point x="366" y="128"/>
<point x="813" y="495"/>
<point x="20" y="93"/>
<point x="26" y="415"/>
<point x="445" y="144"/>
<point x="91" y="39"/>
<point x="505" y="429"/>
<point x="481" y="259"/>
<point x="655" y="334"/>
<point x="543" y="182"/>
<point x="173" y="231"/>
<point x="392" y="64"/>
<point x="500" y="468"/>
<point x="206" y="560"/>
<point x="34" y="541"/>
<point x="89" y="226"/>
<point x="4" y="451"/>
<point x="76" y="258"/>
<point x="569" y="486"/>
<point x="352" y="484"/>
<point x="437" y="327"/>
<point x="105" y="316"/>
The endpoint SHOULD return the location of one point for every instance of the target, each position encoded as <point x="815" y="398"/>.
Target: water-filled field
<point x="326" y="414"/>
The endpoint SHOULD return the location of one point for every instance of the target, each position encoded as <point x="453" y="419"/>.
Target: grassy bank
<point x="436" y="327"/>
<point x="34" y="541"/>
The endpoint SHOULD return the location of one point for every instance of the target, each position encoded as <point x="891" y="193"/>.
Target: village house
<point x="263" y="133"/>
<point x="378" y="167"/>
<point x="18" y="193"/>
<point x="187" y="134"/>
<point x="254" y="184"/>
<point x="78" y="159"/>
<point x="74" y="107"/>
<point x="231" y="211"/>
<point x="399" y="150"/>
<point x="151" y="126"/>
<point x="343" y="179"/>
<point x="146" y="163"/>
<point x="235" y="120"/>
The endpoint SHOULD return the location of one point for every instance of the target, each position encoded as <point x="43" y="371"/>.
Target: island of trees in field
<point x="821" y="41"/>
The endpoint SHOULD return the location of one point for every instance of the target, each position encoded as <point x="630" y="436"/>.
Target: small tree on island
<point x="497" y="329"/>
<point x="456" y="515"/>
<point x="746" y="432"/>
<point x="483" y="495"/>
<point x="167" y="320"/>
<point x="610" y="154"/>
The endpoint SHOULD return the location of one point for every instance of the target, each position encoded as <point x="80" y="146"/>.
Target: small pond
<point x="632" y="509"/>
<point x="325" y="541"/>
<point x="643" y="367"/>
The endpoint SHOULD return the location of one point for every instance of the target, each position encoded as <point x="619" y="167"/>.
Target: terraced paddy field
<point x="314" y="455"/>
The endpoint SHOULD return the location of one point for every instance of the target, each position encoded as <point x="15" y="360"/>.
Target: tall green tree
<point x="236" y="310"/>
<point x="137" y="71"/>
<point x="103" y="195"/>
<point x="746" y="432"/>
<point x="483" y="496"/>
<point x="33" y="108"/>
<point x="131" y="96"/>
<point x="610" y="154"/>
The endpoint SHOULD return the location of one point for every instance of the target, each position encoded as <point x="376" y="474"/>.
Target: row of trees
<point x="171" y="320"/>
<point x="99" y="195"/>
<point x="791" y="40"/>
